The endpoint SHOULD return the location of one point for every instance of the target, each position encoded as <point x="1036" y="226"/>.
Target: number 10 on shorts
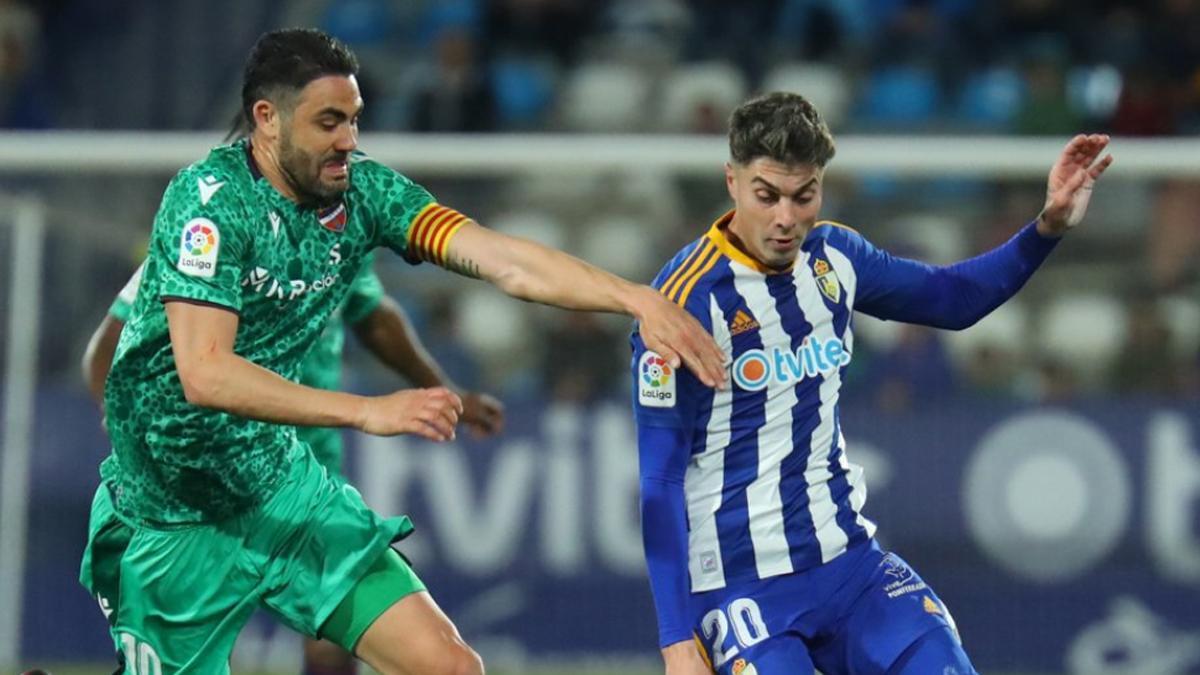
<point x="140" y="658"/>
<point x="748" y="629"/>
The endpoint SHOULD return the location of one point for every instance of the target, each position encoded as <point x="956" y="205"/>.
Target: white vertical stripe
<point x="848" y="277"/>
<point x="704" y="479"/>
<point x="817" y="474"/>
<point x="772" y="555"/>
<point x="858" y="487"/>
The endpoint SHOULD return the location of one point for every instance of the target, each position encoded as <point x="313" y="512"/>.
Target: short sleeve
<point x="366" y="292"/>
<point x="201" y="239"/>
<point x="122" y="305"/>
<point x="393" y="201"/>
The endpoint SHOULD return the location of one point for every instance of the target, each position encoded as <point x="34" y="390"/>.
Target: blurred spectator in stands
<point x="1046" y="110"/>
<point x="20" y="36"/>
<point x="916" y="370"/>
<point x="1174" y="240"/>
<point x="1146" y="364"/>
<point x="1146" y="106"/>
<point x="536" y="27"/>
<point x="454" y="94"/>
<point x="584" y="359"/>
<point x="837" y="31"/>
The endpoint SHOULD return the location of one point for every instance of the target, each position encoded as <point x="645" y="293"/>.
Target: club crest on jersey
<point x="198" y="248"/>
<point x="827" y="280"/>
<point x="333" y="218"/>
<point x="656" y="381"/>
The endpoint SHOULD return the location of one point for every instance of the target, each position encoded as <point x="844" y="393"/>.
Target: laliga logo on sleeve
<point x="198" y="248"/>
<point x="656" y="382"/>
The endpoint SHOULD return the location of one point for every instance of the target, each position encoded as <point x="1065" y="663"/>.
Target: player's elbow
<point x="201" y="383"/>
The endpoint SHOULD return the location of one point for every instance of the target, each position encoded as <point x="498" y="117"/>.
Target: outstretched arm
<point x="387" y="332"/>
<point x="214" y="376"/>
<point x="530" y="271"/>
<point x="956" y="296"/>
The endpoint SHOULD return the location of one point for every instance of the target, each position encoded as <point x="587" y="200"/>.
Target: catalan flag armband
<point x="430" y="232"/>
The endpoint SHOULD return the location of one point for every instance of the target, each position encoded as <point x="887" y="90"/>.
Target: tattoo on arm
<point x="463" y="266"/>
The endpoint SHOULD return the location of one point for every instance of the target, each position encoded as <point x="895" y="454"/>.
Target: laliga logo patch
<point x="744" y="667"/>
<point x="198" y="248"/>
<point x="656" y="382"/>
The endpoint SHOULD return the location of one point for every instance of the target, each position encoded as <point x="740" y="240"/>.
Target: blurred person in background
<point x="455" y="93"/>
<point x="209" y="507"/>
<point x="382" y="326"/>
<point x="755" y="537"/>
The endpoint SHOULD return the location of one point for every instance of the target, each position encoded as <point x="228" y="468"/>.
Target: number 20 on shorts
<point x="748" y="629"/>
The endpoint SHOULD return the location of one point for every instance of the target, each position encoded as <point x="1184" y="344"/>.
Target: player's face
<point x="315" y="143"/>
<point x="775" y="207"/>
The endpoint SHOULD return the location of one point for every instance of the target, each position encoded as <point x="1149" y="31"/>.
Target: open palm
<point x="1069" y="187"/>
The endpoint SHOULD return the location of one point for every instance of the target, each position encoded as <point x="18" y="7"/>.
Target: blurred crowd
<point x="1116" y="310"/>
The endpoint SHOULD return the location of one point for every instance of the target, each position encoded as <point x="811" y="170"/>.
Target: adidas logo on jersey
<point x="742" y="322"/>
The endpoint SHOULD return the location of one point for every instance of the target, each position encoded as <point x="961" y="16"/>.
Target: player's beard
<point x="303" y="171"/>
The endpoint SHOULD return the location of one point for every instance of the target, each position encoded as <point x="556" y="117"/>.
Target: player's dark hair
<point x="780" y="126"/>
<point x="283" y="62"/>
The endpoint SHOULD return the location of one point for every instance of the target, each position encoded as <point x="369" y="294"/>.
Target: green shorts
<point x="177" y="598"/>
<point x="326" y="446"/>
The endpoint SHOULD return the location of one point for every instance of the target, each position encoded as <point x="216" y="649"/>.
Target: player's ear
<point x="730" y="181"/>
<point x="266" y="118"/>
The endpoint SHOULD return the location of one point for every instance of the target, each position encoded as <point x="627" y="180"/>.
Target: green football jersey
<point x="224" y="237"/>
<point x="323" y="366"/>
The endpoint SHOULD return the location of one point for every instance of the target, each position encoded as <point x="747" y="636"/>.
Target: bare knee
<point x="466" y="662"/>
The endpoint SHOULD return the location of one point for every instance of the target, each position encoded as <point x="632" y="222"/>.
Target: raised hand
<point x="1069" y="187"/>
<point x="678" y="337"/>
<point x="429" y="413"/>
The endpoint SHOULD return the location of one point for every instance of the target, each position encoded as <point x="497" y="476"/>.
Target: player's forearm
<point x="662" y="465"/>
<point x="227" y="382"/>
<point x="98" y="356"/>
<point x="387" y="333"/>
<point x="664" y="537"/>
<point x="530" y="271"/>
<point x="957" y="296"/>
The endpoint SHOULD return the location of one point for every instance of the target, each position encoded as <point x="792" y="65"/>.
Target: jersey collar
<point x="717" y="235"/>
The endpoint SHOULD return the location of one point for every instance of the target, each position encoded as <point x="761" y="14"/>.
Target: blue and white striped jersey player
<point x="756" y="540"/>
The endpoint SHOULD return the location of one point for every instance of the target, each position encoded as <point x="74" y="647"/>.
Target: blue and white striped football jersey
<point x="769" y="488"/>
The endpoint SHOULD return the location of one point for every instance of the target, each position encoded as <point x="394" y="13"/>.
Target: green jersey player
<point x="381" y="325"/>
<point x="252" y="249"/>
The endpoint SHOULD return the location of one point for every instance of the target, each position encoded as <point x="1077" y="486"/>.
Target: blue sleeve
<point x="664" y="406"/>
<point x="955" y="296"/>
<point x="662" y="461"/>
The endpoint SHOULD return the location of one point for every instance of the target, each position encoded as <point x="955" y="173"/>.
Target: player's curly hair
<point x="283" y="61"/>
<point x="780" y="126"/>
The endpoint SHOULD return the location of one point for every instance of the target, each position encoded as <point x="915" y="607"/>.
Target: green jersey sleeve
<point x="394" y="202"/>
<point x="366" y="292"/>
<point x="201" y="239"/>
<point x="122" y="305"/>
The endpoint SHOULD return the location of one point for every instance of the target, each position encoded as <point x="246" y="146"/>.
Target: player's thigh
<point x="938" y="651"/>
<point x="100" y="568"/>
<point x="317" y="540"/>
<point x="415" y="637"/>
<point x="185" y="596"/>
<point x="784" y="654"/>
<point x="893" y="611"/>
